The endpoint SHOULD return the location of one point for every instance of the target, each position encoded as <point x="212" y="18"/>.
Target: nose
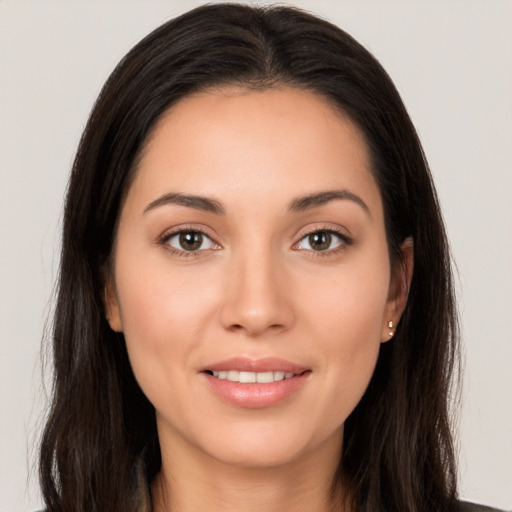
<point x="257" y="296"/>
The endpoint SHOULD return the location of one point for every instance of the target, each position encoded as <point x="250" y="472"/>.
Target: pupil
<point x="320" y="241"/>
<point x="191" y="241"/>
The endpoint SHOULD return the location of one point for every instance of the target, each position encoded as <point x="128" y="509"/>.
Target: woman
<point x="255" y="303"/>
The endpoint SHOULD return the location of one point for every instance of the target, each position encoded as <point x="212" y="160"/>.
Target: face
<point x="252" y="278"/>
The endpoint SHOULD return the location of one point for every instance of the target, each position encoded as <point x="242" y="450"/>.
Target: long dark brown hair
<point x="398" y="453"/>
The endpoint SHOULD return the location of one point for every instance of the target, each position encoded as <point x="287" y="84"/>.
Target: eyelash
<point x="346" y="241"/>
<point x="164" y="241"/>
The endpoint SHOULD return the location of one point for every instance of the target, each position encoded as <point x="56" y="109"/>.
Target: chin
<point x="268" y="445"/>
<point x="270" y="456"/>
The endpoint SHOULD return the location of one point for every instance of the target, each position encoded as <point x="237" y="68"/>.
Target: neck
<point x="199" y="482"/>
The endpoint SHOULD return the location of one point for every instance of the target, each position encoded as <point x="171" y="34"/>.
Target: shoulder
<point x="465" y="506"/>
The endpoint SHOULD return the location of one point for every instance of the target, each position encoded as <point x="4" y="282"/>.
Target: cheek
<point x="346" y="318"/>
<point x="157" y="296"/>
<point x="164" y="317"/>
<point x="349" y="302"/>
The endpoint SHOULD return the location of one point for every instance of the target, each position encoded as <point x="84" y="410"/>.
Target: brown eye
<point x="322" y="241"/>
<point x="190" y="241"/>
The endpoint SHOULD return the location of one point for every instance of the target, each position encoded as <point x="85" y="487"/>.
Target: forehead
<point x="238" y="143"/>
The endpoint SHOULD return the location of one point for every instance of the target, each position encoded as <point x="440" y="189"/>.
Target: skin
<point x="256" y="288"/>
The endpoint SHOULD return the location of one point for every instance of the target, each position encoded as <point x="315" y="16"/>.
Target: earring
<point x="390" y="325"/>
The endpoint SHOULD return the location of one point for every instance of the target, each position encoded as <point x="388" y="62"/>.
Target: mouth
<point x="252" y="377"/>
<point x="254" y="384"/>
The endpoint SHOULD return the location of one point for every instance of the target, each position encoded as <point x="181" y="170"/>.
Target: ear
<point x="398" y="289"/>
<point x="112" y="310"/>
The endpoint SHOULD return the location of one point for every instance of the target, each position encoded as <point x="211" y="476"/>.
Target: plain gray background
<point x="452" y="63"/>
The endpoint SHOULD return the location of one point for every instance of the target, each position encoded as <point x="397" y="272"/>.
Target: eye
<point x="190" y="241"/>
<point x="322" y="241"/>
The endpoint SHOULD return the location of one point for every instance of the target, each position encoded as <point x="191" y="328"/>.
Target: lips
<point x="252" y="383"/>
<point x="252" y="377"/>
<point x="245" y="364"/>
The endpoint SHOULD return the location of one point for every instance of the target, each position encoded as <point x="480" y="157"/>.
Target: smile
<point x="252" y="377"/>
<point x="255" y="383"/>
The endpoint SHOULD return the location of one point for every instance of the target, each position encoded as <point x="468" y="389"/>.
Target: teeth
<point x="232" y="375"/>
<point x="250" y="377"/>
<point x="247" y="377"/>
<point x="264" y="377"/>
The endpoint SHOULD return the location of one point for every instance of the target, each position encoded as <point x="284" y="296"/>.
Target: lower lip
<point x="256" y="395"/>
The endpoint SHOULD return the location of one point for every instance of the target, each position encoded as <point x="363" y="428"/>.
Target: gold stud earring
<point x="390" y="325"/>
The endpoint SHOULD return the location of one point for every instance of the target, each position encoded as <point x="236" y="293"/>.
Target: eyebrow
<point x="299" y="204"/>
<point x="198" y="202"/>
<point x="320" y="198"/>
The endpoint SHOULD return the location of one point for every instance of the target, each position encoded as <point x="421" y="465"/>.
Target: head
<point x="215" y="62"/>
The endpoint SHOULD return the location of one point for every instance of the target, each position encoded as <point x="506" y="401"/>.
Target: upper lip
<point x="246" y="364"/>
